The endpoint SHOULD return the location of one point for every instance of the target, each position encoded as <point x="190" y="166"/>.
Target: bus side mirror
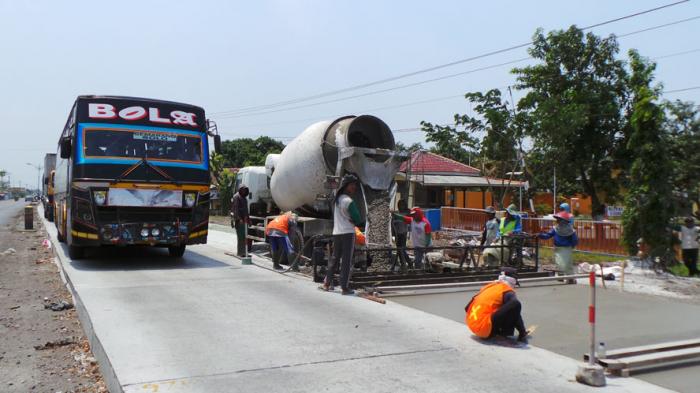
<point x="217" y="144"/>
<point x="65" y="147"/>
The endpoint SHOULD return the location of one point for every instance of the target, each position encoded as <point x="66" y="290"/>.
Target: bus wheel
<point x="176" y="251"/>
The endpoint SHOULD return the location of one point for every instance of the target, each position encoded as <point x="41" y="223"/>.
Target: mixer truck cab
<point x="133" y="172"/>
<point x="259" y="198"/>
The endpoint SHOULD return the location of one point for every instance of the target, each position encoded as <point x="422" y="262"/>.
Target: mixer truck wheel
<point x="297" y="240"/>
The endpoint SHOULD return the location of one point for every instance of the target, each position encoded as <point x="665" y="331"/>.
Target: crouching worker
<point x="495" y="310"/>
<point x="277" y="231"/>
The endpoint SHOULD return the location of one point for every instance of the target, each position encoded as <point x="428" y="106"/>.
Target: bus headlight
<point x="144" y="232"/>
<point x="190" y="198"/>
<point x="100" y="197"/>
<point x="155" y="232"/>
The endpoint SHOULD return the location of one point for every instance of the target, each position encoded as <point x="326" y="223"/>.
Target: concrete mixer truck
<point x="304" y="176"/>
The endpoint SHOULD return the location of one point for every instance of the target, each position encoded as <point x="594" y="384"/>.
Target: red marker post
<point x="591" y="373"/>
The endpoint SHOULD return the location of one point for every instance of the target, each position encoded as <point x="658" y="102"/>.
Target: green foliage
<point x="400" y="147"/>
<point x="683" y="128"/>
<point x="449" y="141"/>
<point x="648" y="207"/>
<point x="575" y="98"/>
<point x="248" y="152"/>
<point x="225" y="180"/>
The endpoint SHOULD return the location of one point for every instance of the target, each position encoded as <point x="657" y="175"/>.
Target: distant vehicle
<point x="29" y="198"/>
<point x="47" y="190"/>
<point x="133" y="171"/>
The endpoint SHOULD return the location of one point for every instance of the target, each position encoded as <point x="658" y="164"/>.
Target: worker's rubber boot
<point x="277" y="266"/>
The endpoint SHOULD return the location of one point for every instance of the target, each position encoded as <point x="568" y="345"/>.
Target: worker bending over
<point x="495" y="310"/>
<point x="277" y="231"/>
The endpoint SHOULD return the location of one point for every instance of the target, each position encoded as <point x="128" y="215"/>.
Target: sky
<point x="230" y="55"/>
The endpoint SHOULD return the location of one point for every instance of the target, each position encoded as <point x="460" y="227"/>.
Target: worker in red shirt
<point x="421" y="235"/>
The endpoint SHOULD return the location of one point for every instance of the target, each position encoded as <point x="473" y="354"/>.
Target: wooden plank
<point x="644" y="349"/>
<point x="651" y="358"/>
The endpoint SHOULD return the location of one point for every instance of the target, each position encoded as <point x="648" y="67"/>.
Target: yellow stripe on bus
<point x="184" y="187"/>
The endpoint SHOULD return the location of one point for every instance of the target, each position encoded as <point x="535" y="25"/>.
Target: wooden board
<point x="650" y="359"/>
<point x="645" y="349"/>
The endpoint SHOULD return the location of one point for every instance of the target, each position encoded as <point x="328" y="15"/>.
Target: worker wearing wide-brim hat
<point x="565" y="240"/>
<point x="511" y="222"/>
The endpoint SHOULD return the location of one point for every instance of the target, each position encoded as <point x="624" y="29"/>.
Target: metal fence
<point x="594" y="236"/>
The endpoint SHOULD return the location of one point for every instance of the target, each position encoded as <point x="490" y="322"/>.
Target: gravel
<point x="379" y="227"/>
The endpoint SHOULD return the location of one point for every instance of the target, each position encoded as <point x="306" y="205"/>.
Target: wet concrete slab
<point x="623" y="320"/>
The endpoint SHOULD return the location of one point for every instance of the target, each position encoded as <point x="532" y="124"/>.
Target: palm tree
<point x="2" y="178"/>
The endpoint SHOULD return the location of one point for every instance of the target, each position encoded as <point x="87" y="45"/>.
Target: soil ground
<point x="29" y="279"/>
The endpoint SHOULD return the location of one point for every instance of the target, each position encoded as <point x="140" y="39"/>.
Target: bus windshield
<point x="165" y="146"/>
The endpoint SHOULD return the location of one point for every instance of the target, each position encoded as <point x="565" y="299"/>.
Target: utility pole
<point x="38" y="176"/>
<point x="554" y="201"/>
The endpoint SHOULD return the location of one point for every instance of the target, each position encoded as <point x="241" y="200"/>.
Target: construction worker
<point x="421" y="236"/>
<point x="566" y="208"/>
<point x="277" y="230"/>
<point x="511" y="222"/>
<point x="495" y="310"/>
<point x="400" y="230"/>
<point x="241" y="218"/>
<point x="346" y="216"/>
<point x="491" y="227"/>
<point x="565" y="240"/>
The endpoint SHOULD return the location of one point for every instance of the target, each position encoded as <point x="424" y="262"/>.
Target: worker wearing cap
<point x="277" y="231"/>
<point x="511" y="222"/>
<point x="491" y="227"/>
<point x="240" y="218"/>
<point x="565" y="240"/>
<point x="495" y="310"/>
<point x="566" y="208"/>
<point x="346" y="216"/>
<point x="421" y="235"/>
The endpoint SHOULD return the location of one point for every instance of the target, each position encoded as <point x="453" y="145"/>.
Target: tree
<point x="575" y="97"/>
<point x="3" y="173"/>
<point x="683" y="128"/>
<point x="449" y="141"/>
<point x="500" y="147"/>
<point x="402" y="148"/>
<point x="648" y="206"/>
<point x="247" y="151"/>
<point x="225" y="180"/>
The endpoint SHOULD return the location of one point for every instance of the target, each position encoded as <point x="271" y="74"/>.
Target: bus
<point x="133" y="172"/>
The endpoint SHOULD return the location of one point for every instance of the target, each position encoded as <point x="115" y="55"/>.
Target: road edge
<point x="98" y="351"/>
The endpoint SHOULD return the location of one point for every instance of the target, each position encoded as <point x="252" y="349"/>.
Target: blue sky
<point x="227" y="55"/>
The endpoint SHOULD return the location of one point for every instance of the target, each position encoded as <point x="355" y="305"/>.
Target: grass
<point x="547" y="256"/>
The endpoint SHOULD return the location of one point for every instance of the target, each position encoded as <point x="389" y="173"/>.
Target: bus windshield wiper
<point x="144" y="161"/>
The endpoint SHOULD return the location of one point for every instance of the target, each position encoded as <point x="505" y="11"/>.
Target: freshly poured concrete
<point x="208" y="324"/>
<point x="623" y="320"/>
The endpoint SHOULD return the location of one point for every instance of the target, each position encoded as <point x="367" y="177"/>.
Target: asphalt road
<point x="8" y="210"/>
<point x="623" y="320"/>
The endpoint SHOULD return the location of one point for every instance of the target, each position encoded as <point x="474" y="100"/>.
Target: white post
<point x="554" y="201"/>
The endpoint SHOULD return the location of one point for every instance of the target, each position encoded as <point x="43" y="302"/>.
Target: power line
<point x="680" y="90"/>
<point x="234" y="116"/>
<point x="257" y="113"/>
<point x="414" y="103"/>
<point x="433" y="68"/>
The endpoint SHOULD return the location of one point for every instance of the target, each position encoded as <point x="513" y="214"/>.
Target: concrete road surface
<point x="9" y="209"/>
<point x="208" y="324"/>
<point x="623" y="320"/>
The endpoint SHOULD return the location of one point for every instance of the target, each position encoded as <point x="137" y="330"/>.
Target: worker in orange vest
<point x="277" y="231"/>
<point x="495" y="310"/>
